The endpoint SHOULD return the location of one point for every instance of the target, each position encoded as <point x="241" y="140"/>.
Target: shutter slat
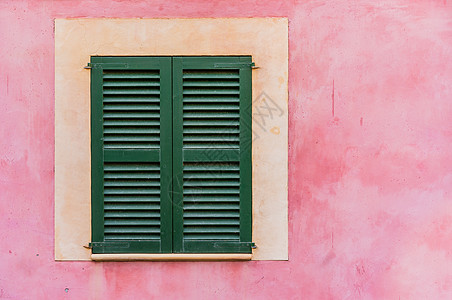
<point x="211" y="130"/>
<point x="132" y="167"/>
<point x="133" y="175"/>
<point x="209" y="99"/>
<point x="131" y="74"/>
<point x="126" y="107"/>
<point x="211" y="214"/>
<point x="211" y="229"/>
<point x="210" y="83"/>
<point x="214" y="144"/>
<point x="131" y="222"/>
<point x="131" y="92"/>
<point x="211" y="138"/>
<point x="211" y="206"/>
<point x="210" y="190"/>
<point x="204" y="236"/>
<point x="209" y="198"/>
<point x="210" y="167"/>
<point x="134" y="229"/>
<point x="206" y="222"/>
<point x="210" y="183"/>
<point x="132" y="146"/>
<point x="130" y="191"/>
<point x="130" y="83"/>
<point x="125" y="114"/>
<point x="206" y="75"/>
<point x="132" y="130"/>
<point x="134" y="198"/>
<point x="131" y="214"/>
<point x="134" y="182"/>
<point x="207" y="114"/>
<point x="217" y="91"/>
<point x="130" y="205"/>
<point x="210" y="74"/>
<point x="215" y="175"/>
<point x="139" y="237"/>
<point x="136" y="122"/>
<point x="130" y="98"/>
<point x="210" y="106"/>
<point x="129" y="138"/>
<point x="199" y="123"/>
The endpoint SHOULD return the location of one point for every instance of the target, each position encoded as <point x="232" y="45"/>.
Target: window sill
<point x="170" y="257"/>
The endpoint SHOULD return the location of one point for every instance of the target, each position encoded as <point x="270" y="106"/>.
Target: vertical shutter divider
<point x="178" y="213"/>
<point x="166" y="156"/>
<point x="245" y="155"/>
<point x="97" y="156"/>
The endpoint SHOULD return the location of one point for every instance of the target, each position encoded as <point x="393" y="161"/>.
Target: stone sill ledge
<point x="171" y="257"/>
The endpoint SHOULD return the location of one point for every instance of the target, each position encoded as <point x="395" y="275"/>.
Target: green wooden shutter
<point x="212" y="154"/>
<point x="131" y="154"/>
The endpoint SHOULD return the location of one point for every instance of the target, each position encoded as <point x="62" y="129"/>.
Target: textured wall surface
<point x="370" y="169"/>
<point x="154" y="37"/>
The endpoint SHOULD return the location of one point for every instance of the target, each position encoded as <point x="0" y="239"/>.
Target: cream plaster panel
<point x="266" y="39"/>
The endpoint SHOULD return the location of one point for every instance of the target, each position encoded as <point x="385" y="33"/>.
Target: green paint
<point x="175" y="134"/>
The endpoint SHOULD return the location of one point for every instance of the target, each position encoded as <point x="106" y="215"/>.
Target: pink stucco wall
<point x="370" y="164"/>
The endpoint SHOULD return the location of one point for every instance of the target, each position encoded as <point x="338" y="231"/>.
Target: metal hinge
<point x="234" y="244"/>
<point x="109" y="244"/>
<point x="252" y="65"/>
<point x="106" y="65"/>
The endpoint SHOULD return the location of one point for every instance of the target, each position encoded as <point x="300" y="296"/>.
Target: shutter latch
<point x="88" y="66"/>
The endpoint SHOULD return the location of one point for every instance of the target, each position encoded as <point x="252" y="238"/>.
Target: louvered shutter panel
<point x="212" y="154"/>
<point x="131" y="154"/>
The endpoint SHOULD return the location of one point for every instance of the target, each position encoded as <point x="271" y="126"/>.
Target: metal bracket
<point x="88" y="66"/>
<point x="253" y="66"/>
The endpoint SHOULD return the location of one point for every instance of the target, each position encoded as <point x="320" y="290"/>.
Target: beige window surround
<point x="265" y="39"/>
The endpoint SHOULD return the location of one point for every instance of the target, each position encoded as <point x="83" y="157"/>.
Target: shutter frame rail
<point x="251" y="65"/>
